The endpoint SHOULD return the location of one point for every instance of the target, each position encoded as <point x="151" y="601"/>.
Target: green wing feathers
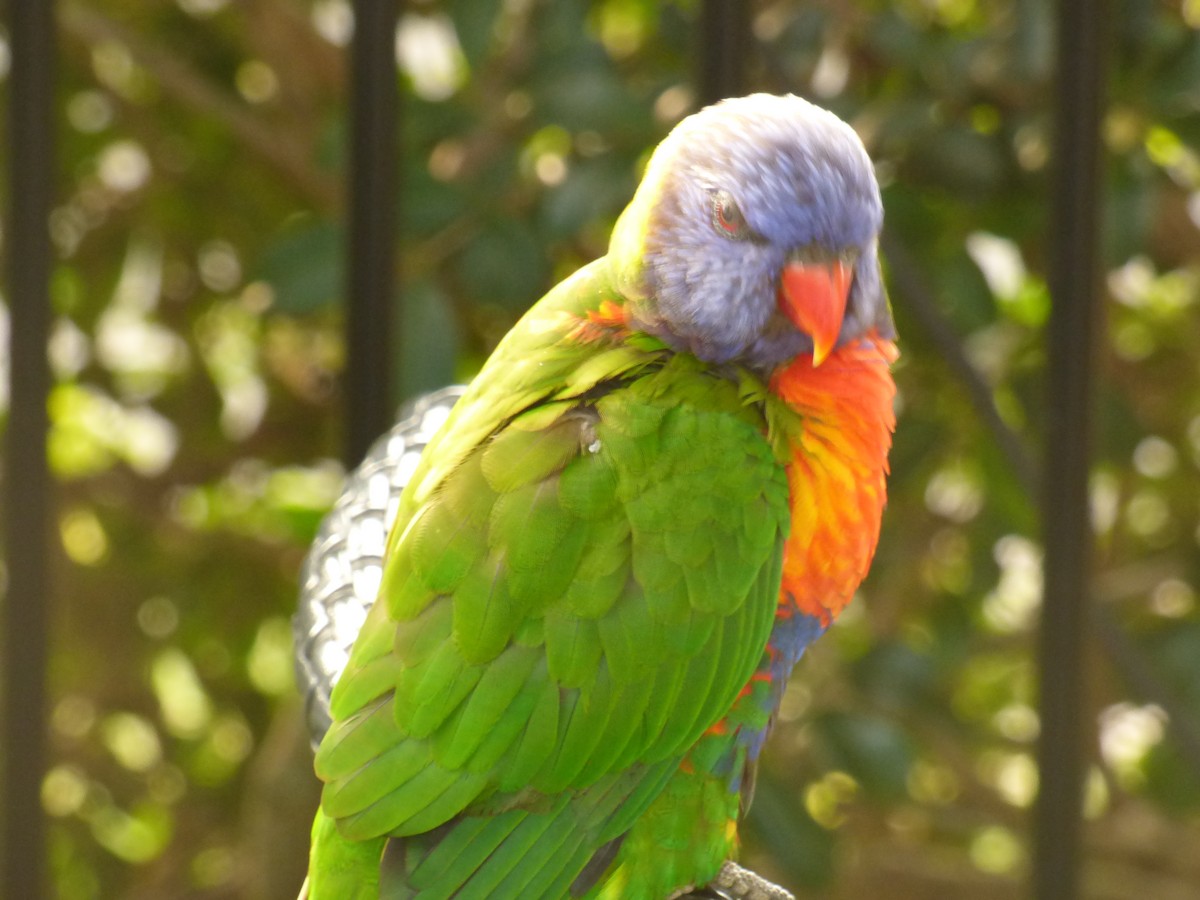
<point x="561" y="616"/>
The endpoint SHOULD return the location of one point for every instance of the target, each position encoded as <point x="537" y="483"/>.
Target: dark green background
<point x="197" y="353"/>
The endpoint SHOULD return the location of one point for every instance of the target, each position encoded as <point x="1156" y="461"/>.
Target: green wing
<point x="562" y="614"/>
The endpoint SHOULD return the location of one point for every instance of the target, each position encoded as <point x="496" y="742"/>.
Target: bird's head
<point x="753" y="235"/>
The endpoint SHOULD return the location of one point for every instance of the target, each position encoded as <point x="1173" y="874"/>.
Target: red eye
<point x="726" y="216"/>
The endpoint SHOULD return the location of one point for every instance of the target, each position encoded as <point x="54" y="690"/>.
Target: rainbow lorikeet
<point x="665" y="482"/>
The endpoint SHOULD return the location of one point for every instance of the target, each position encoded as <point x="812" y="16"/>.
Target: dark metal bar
<point x="27" y="484"/>
<point x="724" y="49"/>
<point x="1075" y="289"/>
<point x="371" y="256"/>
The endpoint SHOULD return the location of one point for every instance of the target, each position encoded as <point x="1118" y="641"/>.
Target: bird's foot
<point x="735" y="883"/>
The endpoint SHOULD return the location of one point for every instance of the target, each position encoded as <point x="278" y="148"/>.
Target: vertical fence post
<point x="724" y="47"/>
<point x="1075" y="289"/>
<point x="371" y="265"/>
<point x="27" y="485"/>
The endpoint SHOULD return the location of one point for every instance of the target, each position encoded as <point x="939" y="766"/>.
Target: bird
<point x="665" y="482"/>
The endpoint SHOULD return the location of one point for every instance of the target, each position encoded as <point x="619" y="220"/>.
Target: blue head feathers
<point x="734" y="194"/>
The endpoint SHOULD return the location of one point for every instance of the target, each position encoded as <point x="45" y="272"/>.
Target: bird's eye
<point x="726" y="216"/>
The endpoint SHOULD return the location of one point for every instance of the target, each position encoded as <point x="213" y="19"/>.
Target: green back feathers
<point x="582" y="576"/>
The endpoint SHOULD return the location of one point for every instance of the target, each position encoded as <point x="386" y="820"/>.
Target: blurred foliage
<point x="196" y="351"/>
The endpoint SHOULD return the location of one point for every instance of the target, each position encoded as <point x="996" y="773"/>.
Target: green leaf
<point x="428" y="339"/>
<point x="505" y="264"/>
<point x="304" y="265"/>
<point x="874" y="751"/>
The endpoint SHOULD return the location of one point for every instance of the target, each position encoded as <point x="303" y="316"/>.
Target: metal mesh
<point x="341" y="573"/>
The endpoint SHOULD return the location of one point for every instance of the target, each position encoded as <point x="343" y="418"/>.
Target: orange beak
<point x="813" y="296"/>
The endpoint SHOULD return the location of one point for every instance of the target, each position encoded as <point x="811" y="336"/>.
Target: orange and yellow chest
<point x="837" y="473"/>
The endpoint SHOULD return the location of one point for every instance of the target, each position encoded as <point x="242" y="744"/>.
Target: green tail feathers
<point x="544" y="855"/>
<point x="339" y="869"/>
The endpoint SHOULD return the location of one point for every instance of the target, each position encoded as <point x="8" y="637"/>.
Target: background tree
<point x="197" y="348"/>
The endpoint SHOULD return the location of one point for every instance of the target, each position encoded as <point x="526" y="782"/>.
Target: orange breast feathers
<point x="838" y="472"/>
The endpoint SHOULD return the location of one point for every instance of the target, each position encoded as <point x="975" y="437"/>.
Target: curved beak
<point x="813" y="295"/>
